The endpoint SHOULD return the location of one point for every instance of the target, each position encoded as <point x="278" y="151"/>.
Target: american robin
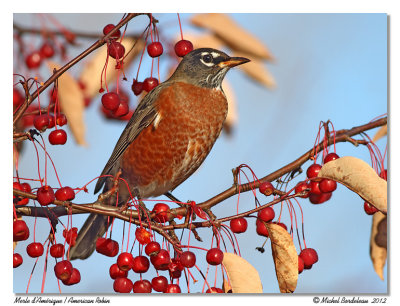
<point x="168" y="137"/>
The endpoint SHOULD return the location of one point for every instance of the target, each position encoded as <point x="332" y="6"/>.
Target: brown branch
<point x="131" y="215"/>
<point x="74" y="61"/>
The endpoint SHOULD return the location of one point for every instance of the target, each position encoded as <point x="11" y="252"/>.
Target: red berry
<point x="18" y="98"/>
<point x="57" y="250"/>
<point x="45" y="195"/>
<point x="65" y="194"/>
<point x="35" y="249"/>
<point x="261" y="228"/>
<point x="110" y="101"/>
<point x="188" y="259"/>
<point x="61" y="120"/>
<point x="175" y="268"/>
<point x="116" y="272"/>
<point x="238" y="225"/>
<point x="140" y="264"/>
<point x="74" y="279"/>
<point x="266" y="188"/>
<point x="302" y="187"/>
<point x="52" y="121"/>
<point x="314" y="188"/>
<point x="327" y="185"/>
<point x="33" y="60"/>
<point x="71" y="235"/>
<point x="383" y="174"/>
<point x="116" y="50"/>
<point x="107" y="247"/>
<point x="155" y="49"/>
<point x="159" y="283"/>
<point x="172" y="288"/>
<point x="152" y="248"/>
<point x="47" y="50"/>
<point x="330" y="157"/>
<point x="161" y="260"/>
<point x="20" y="230"/>
<point x="137" y="87"/>
<point x="313" y="170"/>
<point x="142" y="236"/>
<point x="142" y="286"/>
<point x="369" y="209"/>
<point x="41" y="122"/>
<point x="301" y="264"/>
<point x="58" y="137"/>
<point x="214" y="290"/>
<point x="123" y="285"/>
<point x="161" y="212"/>
<point x="183" y="47"/>
<point x="309" y="256"/>
<point x="266" y="214"/>
<point x="149" y="84"/>
<point x="125" y="261"/>
<point x="107" y="29"/>
<point x="214" y="256"/>
<point x="122" y="110"/>
<point x="63" y="270"/>
<point x="281" y="225"/>
<point x="17" y="260"/>
<point x="23" y="187"/>
<point x="319" y="198"/>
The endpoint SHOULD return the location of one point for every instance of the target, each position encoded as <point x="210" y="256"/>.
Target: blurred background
<point x="325" y="67"/>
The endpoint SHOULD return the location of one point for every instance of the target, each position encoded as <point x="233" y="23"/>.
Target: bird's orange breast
<point x="169" y="150"/>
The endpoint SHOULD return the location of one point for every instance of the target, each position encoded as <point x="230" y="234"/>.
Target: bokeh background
<point x="327" y="66"/>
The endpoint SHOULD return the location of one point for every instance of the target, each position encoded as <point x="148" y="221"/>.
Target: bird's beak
<point x="233" y="61"/>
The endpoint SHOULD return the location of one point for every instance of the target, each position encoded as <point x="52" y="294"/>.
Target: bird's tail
<point x="95" y="226"/>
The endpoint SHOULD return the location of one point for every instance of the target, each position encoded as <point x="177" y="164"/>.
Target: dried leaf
<point x="285" y="258"/>
<point x="243" y="277"/>
<point x="91" y="72"/>
<point x="378" y="254"/>
<point x="72" y="103"/>
<point x="359" y="177"/>
<point x="226" y="286"/>
<point x="256" y="70"/>
<point x="232" y="116"/>
<point x="232" y="34"/>
<point x="380" y="133"/>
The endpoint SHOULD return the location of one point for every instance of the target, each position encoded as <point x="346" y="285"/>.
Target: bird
<point x="168" y="137"/>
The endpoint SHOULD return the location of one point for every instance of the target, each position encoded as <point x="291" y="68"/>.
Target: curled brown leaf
<point x="285" y="257"/>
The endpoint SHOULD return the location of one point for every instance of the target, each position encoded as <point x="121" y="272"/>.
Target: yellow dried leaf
<point x="378" y="254"/>
<point x="243" y="277"/>
<point x="232" y="116"/>
<point x="232" y="34"/>
<point x="226" y="286"/>
<point x="91" y="72"/>
<point x="380" y="133"/>
<point x="256" y="70"/>
<point x="285" y="258"/>
<point x="359" y="177"/>
<point x="72" y="103"/>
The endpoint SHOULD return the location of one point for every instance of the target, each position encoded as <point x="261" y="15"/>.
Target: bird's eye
<point x="207" y="58"/>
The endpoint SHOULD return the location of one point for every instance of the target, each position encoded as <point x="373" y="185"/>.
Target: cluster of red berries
<point x="116" y="105"/>
<point x="115" y="49"/>
<point x="158" y="257"/>
<point x="155" y="49"/>
<point x="34" y="59"/>
<point x="307" y="258"/>
<point x="317" y="191"/>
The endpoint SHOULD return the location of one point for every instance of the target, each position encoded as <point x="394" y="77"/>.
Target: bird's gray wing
<point x="143" y="116"/>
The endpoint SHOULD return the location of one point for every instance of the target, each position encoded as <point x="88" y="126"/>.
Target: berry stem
<point x="180" y="25"/>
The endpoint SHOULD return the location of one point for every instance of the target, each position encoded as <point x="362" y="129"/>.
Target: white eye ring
<point x="205" y="57"/>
